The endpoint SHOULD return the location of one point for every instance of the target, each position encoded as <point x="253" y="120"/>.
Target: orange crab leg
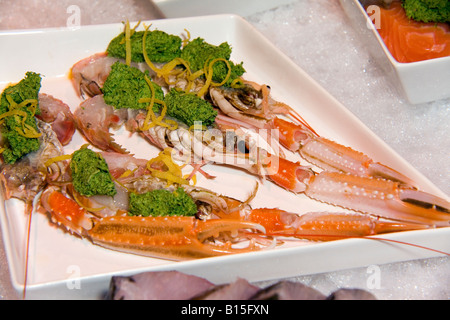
<point x="270" y="219"/>
<point x="332" y="156"/>
<point x="177" y="238"/>
<point x="290" y="134"/>
<point x="289" y="175"/>
<point x="65" y="211"/>
<point x="323" y="226"/>
<point x="379" y="197"/>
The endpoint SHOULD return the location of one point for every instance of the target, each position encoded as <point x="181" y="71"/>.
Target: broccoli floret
<point x="199" y="53"/>
<point x="16" y="144"/>
<point x="160" y="46"/>
<point x="188" y="108"/>
<point x="162" y="203"/>
<point x="90" y="174"/>
<point x="125" y="85"/>
<point x="428" y="10"/>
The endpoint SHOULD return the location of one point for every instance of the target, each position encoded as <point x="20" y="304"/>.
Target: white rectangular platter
<point x="66" y="267"/>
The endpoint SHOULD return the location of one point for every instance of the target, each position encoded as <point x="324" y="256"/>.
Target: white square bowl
<point x="420" y="82"/>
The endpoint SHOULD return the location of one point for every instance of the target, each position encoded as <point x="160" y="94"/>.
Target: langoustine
<point x="89" y="74"/>
<point x="26" y="178"/>
<point x="108" y="224"/>
<point x="184" y="237"/>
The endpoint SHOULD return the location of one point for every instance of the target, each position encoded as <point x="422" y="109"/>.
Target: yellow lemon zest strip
<point x="173" y="173"/>
<point x="51" y="161"/>
<point x="170" y="68"/>
<point x="13" y="113"/>
<point x="151" y="119"/>
<point x="146" y="58"/>
<point x="127" y="43"/>
<point x="188" y="38"/>
<point x="209" y="74"/>
<point x="27" y="130"/>
<point x="127" y="173"/>
<point x="78" y="201"/>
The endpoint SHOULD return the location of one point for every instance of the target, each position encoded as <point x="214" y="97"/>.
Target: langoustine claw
<point x="332" y="156"/>
<point x="175" y="238"/>
<point x="65" y="211"/>
<point x="320" y="226"/>
<point x="181" y="238"/>
<point x="375" y="196"/>
<point x="379" y="197"/>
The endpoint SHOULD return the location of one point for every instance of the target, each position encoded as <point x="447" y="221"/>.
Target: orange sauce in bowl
<point x="412" y="41"/>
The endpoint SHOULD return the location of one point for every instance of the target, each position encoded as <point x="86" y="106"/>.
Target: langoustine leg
<point x="320" y="226"/>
